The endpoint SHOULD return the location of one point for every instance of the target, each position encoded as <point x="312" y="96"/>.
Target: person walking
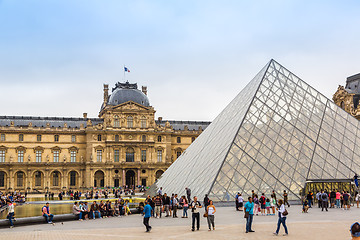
<point x="237" y="201"/>
<point x="282" y="218"/>
<point x="206" y="202"/>
<point x="210" y="215"/>
<point x="185" y="207"/>
<point x="332" y="198"/>
<point x="324" y="199"/>
<point x="357" y="199"/>
<point x="309" y="198"/>
<point x="286" y="198"/>
<point x="346" y="201"/>
<point x="158" y="204"/>
<point x="188" y="194"/>
<point x="175" y="204"/>
<point x="195" y="205"/>
<point x="241" y="202"/>
<point x="256" y="205"/>
<point x="166" y="202"/>
<point x="147" y="215"/>
<point x="11" y="212"/>
<point x="338" y="196"/>
<point x="249" y="214"/>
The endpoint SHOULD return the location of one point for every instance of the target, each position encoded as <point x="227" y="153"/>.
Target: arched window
<point x="38" y="179"/>
<point x="342" y="105"/>
<point x="117" y="138"/>
<point x="178" y="153"/>
<point x="55" y="178"/>
<point x="116" y="122"/>
<point x="130" y="121"/>
<point x="192" y="139"/>
<point x="73" y="178"/>
<point x="2" y="179"/>
<point x="143" y="122"/>
<point x="159" y="138"/>
<point x="143" y="138"/>
<point x="130" y="155"/>
<point x="19" y="179"/>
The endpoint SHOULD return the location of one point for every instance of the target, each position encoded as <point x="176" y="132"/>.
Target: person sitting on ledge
<point x="77" y="211"/>
<point x="94" y="208"/>
<point x="355" y="231"/>
<point x="46" y="213"/>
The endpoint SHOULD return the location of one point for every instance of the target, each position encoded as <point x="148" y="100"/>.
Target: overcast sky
<point x="194" y="56"/>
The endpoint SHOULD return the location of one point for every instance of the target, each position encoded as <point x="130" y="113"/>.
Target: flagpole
<point x="124" y="73"/>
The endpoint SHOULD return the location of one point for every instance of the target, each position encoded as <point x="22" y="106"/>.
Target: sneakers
<point x="11" y="226"/>
<point x="275" y="233"/>
<point x="285" y="234"/>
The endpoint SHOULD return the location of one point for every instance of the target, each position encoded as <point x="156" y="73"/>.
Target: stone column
<point x="138" y="177"/>
<point x="123" y="177"/>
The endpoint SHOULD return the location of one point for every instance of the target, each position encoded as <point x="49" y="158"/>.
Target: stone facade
<point x="348" y="97"/>
<point x="124" y="146"/>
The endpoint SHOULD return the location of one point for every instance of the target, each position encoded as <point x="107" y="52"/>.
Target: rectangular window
<point x="143" y="123"/>
<point x="72" y="156"/>
<point x="55" y="179"/>
<point x="99" y="138"/>
<point x="20" y="156"/>
<point x="38" y="138"/>
<point x="38" y="156"/>
<point x="2" y="138"/>
<point x="159" y="155"/>
<point x="116" y="155"/>
<point x="56" y="155"/>
<point x="56" y="138"/>
<point x="178" y="139"/>
<point x="2" y="179"/>
<point x="21" y="137"/>
<point x="99" y="155"/>
<point x="116" y="123"/>
<point x="73" y="138"/>
<point x="20" y="179"/>
<point x="2" y="155"/>
<point x="143" y="155"/>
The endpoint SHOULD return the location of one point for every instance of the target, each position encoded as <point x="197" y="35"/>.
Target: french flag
<point x="126" y="69"/>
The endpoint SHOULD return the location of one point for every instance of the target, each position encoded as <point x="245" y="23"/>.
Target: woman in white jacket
<point x="282" y="218"/>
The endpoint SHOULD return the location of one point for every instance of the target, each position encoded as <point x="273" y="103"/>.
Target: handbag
<point x="205" y="215"/>
<point x="246" y="215"/>
<point x="285" y="213"/>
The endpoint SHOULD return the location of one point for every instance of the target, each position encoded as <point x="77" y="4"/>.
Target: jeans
<point x="174" y="211"/>
<point x="211" y="221"/>
<point x="10" y="217"/>
<point x="185" y="209"/>
<point x="94" y="212"/>
<point x="47" y="217"/>
<point x="196" y="216"/>
<point x="324" y="205"/>
<point x="281" y="221"/>
<point x="338" y="203"/>
<point x="146" y="223"/>
<point x="249" y="222"/>
<point x="309" y="202"/>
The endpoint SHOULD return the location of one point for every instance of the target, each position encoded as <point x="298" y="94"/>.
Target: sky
<point x="194" y="56"/>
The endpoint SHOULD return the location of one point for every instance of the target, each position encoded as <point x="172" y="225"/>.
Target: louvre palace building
<point x="125" y="145"/>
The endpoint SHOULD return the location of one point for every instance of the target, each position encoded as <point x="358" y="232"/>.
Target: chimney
<point x="144" y="89"/>
<point x="85" y="115"/>
<point x="160" y="119"/>
<point x="106" y="93"/>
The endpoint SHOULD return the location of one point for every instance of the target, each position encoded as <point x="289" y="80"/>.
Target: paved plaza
<point x="230" y="224"/>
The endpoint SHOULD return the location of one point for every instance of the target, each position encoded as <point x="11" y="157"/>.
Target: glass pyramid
<point x="277" y="133"/>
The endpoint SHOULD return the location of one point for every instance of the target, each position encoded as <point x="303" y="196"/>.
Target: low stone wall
<point x="41" y="219"/>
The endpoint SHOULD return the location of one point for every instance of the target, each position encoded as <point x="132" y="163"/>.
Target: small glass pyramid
<point x="277" y="133"/>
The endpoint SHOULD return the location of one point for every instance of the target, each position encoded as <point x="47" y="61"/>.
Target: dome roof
<point x="124" y="92"/>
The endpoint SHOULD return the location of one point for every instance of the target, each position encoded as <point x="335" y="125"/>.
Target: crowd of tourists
<point x="103" y="209"/>
<point x="330" y="199"/>
<point x="15" y="196"/>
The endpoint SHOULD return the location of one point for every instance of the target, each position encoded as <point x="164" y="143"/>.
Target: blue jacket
<point x="147" y="211"/>
<point x="249" y="207"/>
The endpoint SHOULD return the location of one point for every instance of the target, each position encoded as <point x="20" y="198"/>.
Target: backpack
<point x="323" y="196"/>
<point x="262" y="200"/>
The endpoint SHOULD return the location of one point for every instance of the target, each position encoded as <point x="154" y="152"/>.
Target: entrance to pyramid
<point x="314" y="185"/>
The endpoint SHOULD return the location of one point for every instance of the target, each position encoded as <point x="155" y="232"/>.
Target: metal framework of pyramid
<point x="276" y="134"/>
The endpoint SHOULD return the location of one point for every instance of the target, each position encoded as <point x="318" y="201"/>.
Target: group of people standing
<point x="332" y="199"/>
<point x="251" y="208"/>
<point x="162" y="203"/>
